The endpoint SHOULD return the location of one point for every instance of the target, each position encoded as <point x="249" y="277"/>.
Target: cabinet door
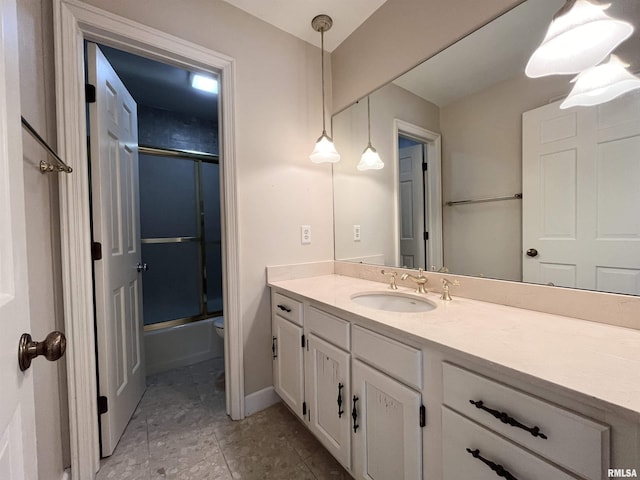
<point x="287" y="363"/>
<point x="388" y="440"/>
<point x="327" y="380"/>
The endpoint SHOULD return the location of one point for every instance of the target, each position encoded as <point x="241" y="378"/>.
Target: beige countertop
<point x="599" y="361"/>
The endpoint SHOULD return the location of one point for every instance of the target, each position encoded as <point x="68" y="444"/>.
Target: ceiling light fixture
<point x="324" y="151"/>
<point x="370" y="159"/>
<point x="601" y="84"/>
<point x="580" y="36"/>
<point x="204" y="83"/>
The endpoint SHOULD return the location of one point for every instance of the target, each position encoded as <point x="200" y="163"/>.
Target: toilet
<point x="219" y="324"/>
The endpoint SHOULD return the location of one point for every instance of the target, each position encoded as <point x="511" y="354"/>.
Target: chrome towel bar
<point x="517" y="196"/>
<point x="46" y="167"/>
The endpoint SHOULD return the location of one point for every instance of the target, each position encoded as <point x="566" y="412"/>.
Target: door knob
<point x="532" y="252"/>
<point x="53" y="347"/>
<point x="142" y="267"/>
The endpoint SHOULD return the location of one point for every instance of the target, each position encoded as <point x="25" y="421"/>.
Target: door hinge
<point x="425" y="166"/>
<point x="423" y="416"/>
<point x="303" y="340"/>
<point x="103" y="405"/>
<point x="90" y="93"/>
<point x="426" y="235"/>
<point x="96" y="251"/>
<point x="304" y="408"/>
<point x="274" y="347"/>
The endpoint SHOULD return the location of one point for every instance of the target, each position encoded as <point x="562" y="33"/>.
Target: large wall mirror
<point x="485" y="175"/>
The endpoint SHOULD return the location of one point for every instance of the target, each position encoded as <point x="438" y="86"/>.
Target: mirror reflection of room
<point x="532" y="189"/>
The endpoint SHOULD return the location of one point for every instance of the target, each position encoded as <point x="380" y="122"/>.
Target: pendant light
<point x="324" y="151"/>
<point x="370" y="159"/>
<point x="580" y="36"/>
<point x="601" y="84"/>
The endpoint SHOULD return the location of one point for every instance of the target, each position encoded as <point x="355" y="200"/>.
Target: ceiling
<point x="294" y="16"/>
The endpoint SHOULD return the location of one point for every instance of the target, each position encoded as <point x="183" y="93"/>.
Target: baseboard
<point x="256" y="401"/>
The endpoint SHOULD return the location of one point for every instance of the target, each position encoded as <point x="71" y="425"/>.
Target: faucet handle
<point x="392" y="280"/>
<point x="446" y="283"/>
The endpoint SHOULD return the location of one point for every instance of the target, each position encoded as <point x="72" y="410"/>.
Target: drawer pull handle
<point x="499" y="469"/>
<point x="284" y="308"/>
<point x="505" y="418"/>
<point x="340" y="411"/>
<point x="354" y="415"/>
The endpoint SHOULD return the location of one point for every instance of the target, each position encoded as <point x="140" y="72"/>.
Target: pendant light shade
<point x="601" y="84"/>
<point x="324" y="151"/>
<point x="580" y="36"/>
<point x="370" y="159"/>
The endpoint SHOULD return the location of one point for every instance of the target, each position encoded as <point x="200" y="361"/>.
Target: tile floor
<point x="180" y="431"/>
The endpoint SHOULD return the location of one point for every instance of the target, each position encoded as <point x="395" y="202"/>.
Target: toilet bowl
<point x="219" y="324"/>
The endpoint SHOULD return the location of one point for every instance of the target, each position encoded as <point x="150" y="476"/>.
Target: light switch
<point x="356" y="233"/>
<point x="305" y="234"/>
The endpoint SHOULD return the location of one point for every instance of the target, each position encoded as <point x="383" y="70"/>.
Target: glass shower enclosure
<point x="181" y="236"/>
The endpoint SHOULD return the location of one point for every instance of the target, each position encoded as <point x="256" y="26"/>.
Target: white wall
<point x="43" y="244"/>
<point x="368" y="198"/>
<point x="482" y="158"/>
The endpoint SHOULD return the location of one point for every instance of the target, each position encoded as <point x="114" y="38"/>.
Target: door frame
<point x="433" y="144"/>
<point x="75" y="22"/>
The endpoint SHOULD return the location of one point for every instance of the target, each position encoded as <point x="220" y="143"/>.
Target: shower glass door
<point x="180" y="230"/>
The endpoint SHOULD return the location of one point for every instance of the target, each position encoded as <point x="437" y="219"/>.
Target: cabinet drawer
<point x="397" y="359"/>
<point x="460" y="434"/>
<point x="573" y="441"/>
<point x="324" y="325"/>
<point x="287" y="308"/>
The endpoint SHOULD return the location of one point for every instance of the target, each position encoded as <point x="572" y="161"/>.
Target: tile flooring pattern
<point x="180" y="431"/>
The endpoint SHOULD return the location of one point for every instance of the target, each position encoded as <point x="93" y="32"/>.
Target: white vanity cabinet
<point x="328" y="381"/>
<point x="528" y="437"/>
<point x="387" y="409"/>
<point x="287" y="350"/>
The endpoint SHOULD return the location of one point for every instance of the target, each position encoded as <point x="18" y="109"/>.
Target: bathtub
<point x="183" y="345"/>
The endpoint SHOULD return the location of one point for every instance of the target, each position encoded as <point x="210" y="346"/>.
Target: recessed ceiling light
<point x="204" y="83"/>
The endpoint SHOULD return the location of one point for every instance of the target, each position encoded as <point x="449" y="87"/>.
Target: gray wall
<point x="164" y="129"/>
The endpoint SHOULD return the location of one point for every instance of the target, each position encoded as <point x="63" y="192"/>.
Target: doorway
<point x="75" y="22"/>
<point x="158" y="208"/>
<point x="419" y="196"/>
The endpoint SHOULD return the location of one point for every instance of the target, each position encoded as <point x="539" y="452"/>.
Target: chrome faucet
<point x="392" y="280"/>
<point x="420" y="280"/>
<point x="445" y="289"/>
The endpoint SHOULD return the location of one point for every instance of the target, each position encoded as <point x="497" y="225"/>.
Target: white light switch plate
<point x="356" y="233"/>
<point x="305" y="234"/>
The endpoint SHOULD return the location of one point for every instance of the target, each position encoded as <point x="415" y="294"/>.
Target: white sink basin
<point x="393" y="302"/>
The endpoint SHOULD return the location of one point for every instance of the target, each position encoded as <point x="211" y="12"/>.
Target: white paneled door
<point x="412" y="198"/>
<point x="581" y="192"/>
<point x="116" y="226"/>
<point x="17" y="419"/>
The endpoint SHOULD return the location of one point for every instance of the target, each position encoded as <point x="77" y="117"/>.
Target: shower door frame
<point x="75" y="22"/>
<point x="199" y="157"/>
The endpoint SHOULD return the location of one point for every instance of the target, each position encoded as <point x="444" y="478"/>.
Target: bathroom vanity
<point x="467" y="390"/>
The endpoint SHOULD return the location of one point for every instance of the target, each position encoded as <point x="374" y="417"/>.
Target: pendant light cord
<point x="369" y="118"/>
<point x="324" y="129"/>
